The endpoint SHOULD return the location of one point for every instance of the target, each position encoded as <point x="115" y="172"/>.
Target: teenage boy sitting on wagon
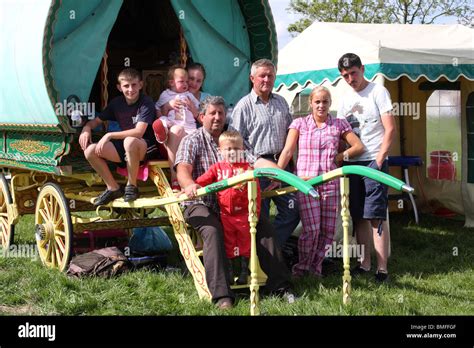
<point x="135" y="113"/>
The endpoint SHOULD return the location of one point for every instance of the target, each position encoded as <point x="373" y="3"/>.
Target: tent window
<point x="443" y="129"/>
<point x="470" y="138"/>
<point x="300" y="106"/>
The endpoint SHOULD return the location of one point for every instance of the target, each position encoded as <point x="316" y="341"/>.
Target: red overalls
<point x="233" y="203"/>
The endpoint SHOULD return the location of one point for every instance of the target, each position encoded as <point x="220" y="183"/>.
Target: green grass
<point x="425" y="279"/>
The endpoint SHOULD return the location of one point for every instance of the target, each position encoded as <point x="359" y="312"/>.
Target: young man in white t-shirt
<point x="368" y="109"/>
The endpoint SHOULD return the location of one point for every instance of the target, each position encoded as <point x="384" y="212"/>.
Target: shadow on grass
<point x="435" y="247"/>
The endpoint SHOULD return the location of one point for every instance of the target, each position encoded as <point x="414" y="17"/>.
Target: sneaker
<point x="131" y="193"/>
<point x="381" y="276"/>
<point x="289" y="296"/>
<point x="244" y="271"/>
<point x="224" y="303"/>
<point x="358" y="270"/>
<point x="107" y="196"/>
<point x="329" y="267"/>
<point x="161" y="132"/>
<point x="285" y="293"/>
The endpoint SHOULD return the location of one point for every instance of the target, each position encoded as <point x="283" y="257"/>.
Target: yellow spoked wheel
<point x="6" y="227"/>
<point x="53" y="227"/>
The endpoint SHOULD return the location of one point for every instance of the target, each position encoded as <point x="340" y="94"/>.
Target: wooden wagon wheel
<point x="6" y="227"/>
<point x="53" y="227"/>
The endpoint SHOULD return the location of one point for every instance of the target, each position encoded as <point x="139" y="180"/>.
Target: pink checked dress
<point x="317" y="149"/>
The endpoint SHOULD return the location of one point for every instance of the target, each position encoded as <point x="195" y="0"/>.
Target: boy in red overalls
<point x="233" y="202"/>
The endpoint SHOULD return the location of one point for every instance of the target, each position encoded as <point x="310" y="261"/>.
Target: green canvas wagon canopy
<point x="52" y="51"/>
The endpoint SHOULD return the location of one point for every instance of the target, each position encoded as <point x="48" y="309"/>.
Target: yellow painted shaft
<point x="346" y="278"/>
<point x="253" y="219"/>
<point x="183" y="238"/>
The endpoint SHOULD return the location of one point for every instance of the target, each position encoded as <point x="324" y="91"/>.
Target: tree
<point x="427" y="12"/>
<point x="377" y="11"/>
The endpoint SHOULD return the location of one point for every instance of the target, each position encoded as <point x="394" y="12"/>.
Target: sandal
<point x="381" y="276"/>
<point x="131" y="193"/>
<point x="358" y="270"/>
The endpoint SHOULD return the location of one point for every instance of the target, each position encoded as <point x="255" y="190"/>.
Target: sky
<point x="282" y="20"/>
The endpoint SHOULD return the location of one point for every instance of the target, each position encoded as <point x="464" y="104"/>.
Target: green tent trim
<point x="389" y="70"/>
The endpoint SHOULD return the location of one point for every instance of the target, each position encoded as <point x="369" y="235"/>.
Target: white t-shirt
<point x="363" y="111"/>
<point x="189" y="123"/>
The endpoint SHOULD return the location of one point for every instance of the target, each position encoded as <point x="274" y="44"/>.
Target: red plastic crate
<point x="92" y="240"/>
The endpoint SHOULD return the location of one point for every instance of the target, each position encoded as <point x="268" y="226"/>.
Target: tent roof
<point x="391" y="50"/>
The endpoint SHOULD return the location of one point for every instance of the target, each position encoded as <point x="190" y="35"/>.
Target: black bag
<point x="105" y="262"/>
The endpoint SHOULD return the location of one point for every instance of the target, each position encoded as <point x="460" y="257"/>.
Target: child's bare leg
<point x="135" y="149"/>
<point x="176" y="133"/>
<point x="100" y="165"/>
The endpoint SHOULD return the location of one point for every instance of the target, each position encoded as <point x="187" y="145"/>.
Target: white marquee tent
<point x="418" y="64"/>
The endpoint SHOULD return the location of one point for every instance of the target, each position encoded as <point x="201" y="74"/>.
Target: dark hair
<point x="349" y="60"/>
<point x="197" y="66"/>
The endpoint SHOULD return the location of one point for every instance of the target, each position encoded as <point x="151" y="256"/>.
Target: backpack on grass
<point x="106" y="262"/>
<point x="149" y="241"/>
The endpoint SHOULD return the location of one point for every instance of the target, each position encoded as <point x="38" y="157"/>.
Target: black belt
<point x="271" y="156"/>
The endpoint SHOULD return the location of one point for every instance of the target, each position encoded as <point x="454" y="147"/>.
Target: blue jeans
<point x="287" y="217"/>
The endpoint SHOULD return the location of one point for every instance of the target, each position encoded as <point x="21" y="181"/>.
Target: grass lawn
<point x="431" y="273"/>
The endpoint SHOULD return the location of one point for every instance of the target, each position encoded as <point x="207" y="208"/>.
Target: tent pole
<point x="402" y="121"/>
<point x="104" y="95"/>
<point x="182" y="48"/>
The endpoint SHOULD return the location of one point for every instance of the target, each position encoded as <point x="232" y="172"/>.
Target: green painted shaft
<point x="217" y="186"/>
<point x="273" y="173"/>
<point x="307" y="186"/>
<point x="364" y="171"/>
<point x="288" y="178"/>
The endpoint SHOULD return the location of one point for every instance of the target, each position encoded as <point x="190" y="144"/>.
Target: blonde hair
<point x="129" y="74"/>
<point x="232" y="136"/>
<point x="319" y="89"/>
<point x="176" y="69"/>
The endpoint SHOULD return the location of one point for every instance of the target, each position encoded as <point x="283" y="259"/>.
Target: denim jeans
<point x="287" y="217"/>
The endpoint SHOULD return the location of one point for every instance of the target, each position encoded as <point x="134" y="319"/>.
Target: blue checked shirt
<point x="263" y="126"/>
<point x="201" y="151"/>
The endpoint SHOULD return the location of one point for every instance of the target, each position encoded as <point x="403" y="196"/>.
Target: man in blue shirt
<point x="263" y="118"/>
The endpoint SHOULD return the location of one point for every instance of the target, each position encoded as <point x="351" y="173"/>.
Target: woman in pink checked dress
<point x="318" y="136"/>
